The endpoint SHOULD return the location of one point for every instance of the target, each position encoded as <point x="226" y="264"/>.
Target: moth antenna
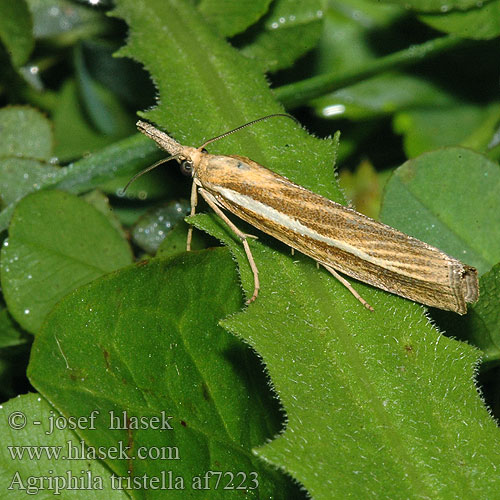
<point x="146" y="170"/>
<point x="262" y="118"/>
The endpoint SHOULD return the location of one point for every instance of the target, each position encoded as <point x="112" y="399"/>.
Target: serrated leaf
<point x="25" y="132"/>
<point x="481" y="22"/>
<point x="231" y="17"/>
<point x="56" y="243"/>
<point x="16" y="30"/>
<point x="449" y="199"/>
<point x="288" y="31"/>
<point x="145" y="341"/>
<point x="346" y="377"/>
<point x="21" y="474"/>
<point x="228" y="92"/>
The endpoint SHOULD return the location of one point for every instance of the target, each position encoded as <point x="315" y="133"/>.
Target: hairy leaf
<point x="145" y="341"/>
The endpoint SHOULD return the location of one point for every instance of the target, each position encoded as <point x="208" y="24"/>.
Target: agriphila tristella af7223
<point x="337" y="237"/>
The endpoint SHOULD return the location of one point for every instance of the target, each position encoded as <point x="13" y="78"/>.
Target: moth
<point x="337" y="237"/>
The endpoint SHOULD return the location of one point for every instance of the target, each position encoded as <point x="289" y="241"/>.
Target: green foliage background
<point x="304" y="390"/>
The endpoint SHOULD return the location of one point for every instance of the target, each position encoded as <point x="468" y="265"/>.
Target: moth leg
<point x="194" y="202"/>
<point x="243" y="236"/>
<point x="347" y="285"/>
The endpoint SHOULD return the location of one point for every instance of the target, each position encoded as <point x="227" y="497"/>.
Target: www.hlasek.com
<point x="81" y="451"/>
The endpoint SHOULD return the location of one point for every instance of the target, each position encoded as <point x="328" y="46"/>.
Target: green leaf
<point x="347" y="26"/>
<point x="434" y="5"/>
<point x="23" y="476"/>
<point x="56" y="243"/>
<point x="288" y="31"/>
<point x="347" y="381"/>
<point x="74" y="135"/>
<point x="364" y="188"/>
<point x="20" y="176"/>
<point x="25" y="132"/>
<point x="175" y="241"/>
<point x="16" y="30"/>
<point x="347" y="377"/>
<point x="64" y="18"/>
<point x="145" y="341"/>
<point x="10" y="334"/>
<point x="152" y="228"/>
<point x="231" y="17"/>
<point x="100" y="201"/>
<point x="483" y="320"/>
<point x="481" y="22"/>
<point x="430" y="128"/>
<point x="25" y="138"/>
<point x="103" y="107"/>
<point x="449" y="199"/>
<point x="347" y="46"/>
<point x="382" y="95"/>
<point x="224" y="88"/>
<point x="90" y="172"/>
<point x="124" y="77"/>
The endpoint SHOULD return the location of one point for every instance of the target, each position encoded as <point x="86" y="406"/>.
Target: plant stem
<point x="295" y="94"/>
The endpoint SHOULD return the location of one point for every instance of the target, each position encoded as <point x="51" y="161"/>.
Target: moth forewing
<point x="333" y="235"/>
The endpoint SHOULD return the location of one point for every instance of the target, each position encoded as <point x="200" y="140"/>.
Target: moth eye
<point x="187" y="167"/>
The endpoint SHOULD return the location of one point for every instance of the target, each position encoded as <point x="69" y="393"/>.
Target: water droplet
<point x="334" y="109"/>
